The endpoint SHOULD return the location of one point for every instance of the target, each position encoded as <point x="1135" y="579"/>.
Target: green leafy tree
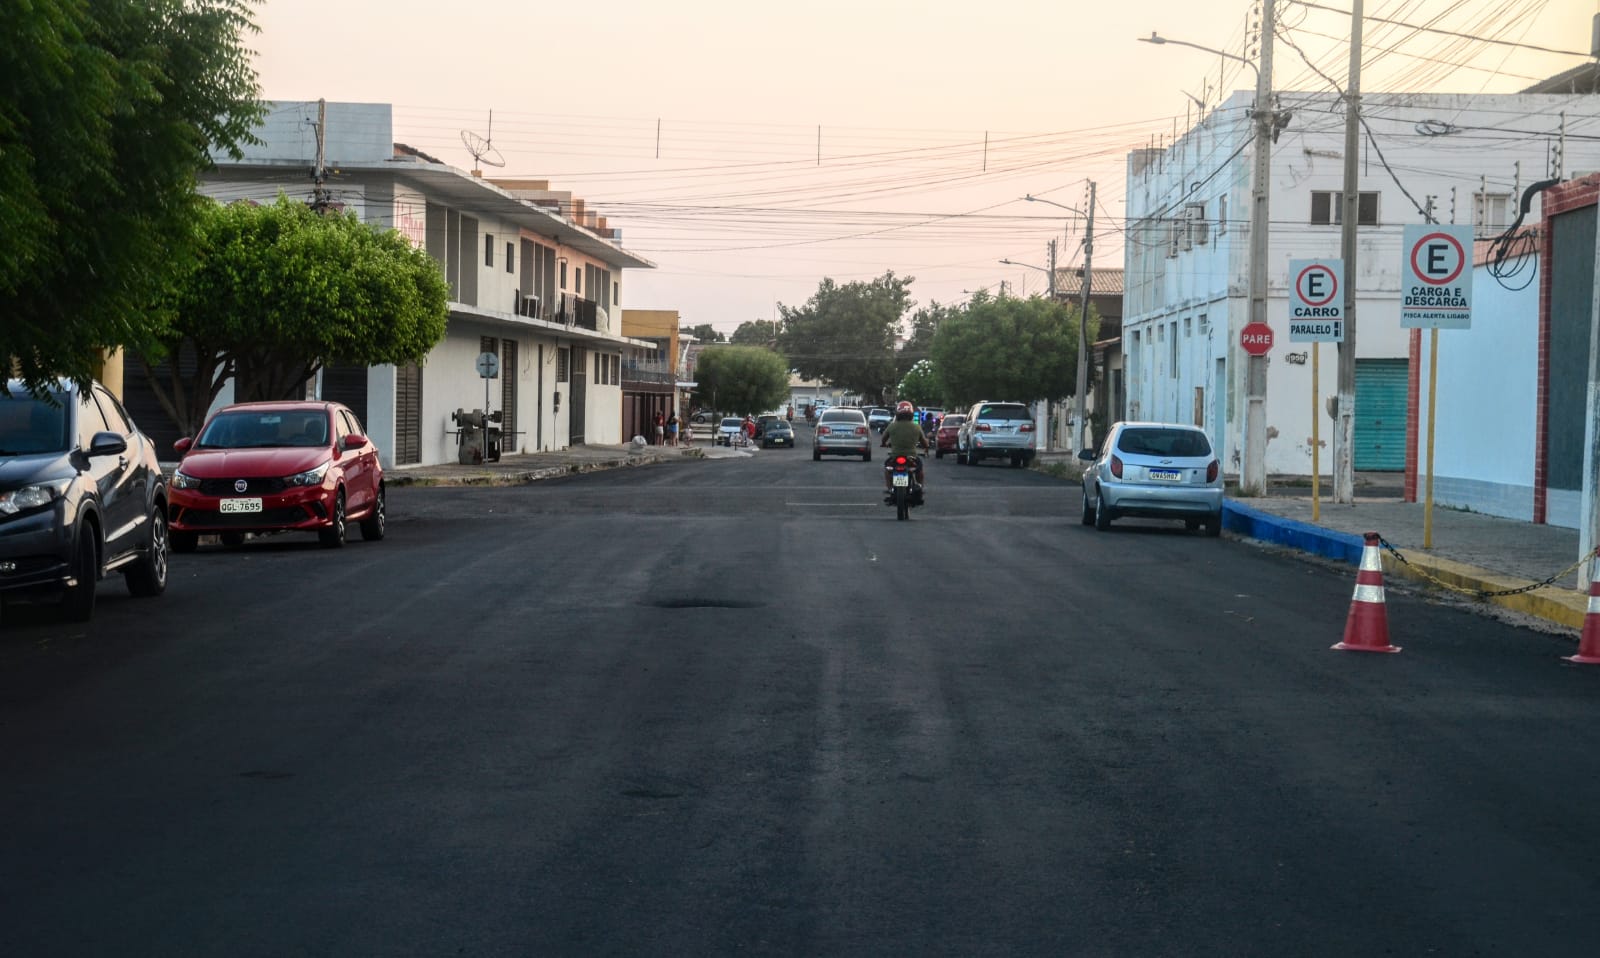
<point x="279" y="291"/>
<point x="921" y="386"/>
<point x="108" y="110"/>
<point x="757" y="332"/>
<point x="924" y="323"/>
<point x="705" y="333"/>
<point x="845" y="335"/>
<point x="1009" y="348"/>
<point x="745" y="379"/>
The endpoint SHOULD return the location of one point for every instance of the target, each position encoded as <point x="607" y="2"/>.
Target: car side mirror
<point x="1087" y="455"/>
<point x="107" y="444"/>
<point x="354" y="441"/>
<point x="182" y="445"/>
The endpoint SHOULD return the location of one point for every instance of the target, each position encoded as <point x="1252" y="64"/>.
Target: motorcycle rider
<point x="903" y="437"/>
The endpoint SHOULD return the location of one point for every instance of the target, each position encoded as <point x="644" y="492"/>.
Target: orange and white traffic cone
<point x="1366" y="629"/>
<point x="1589" y="642"/>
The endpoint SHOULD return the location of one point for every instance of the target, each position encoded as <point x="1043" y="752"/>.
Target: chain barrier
<point x="1485" y="593"/>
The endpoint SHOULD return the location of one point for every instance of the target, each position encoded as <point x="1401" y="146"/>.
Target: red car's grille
<point x="207" y="519"/>
<point x="254" y="487"/>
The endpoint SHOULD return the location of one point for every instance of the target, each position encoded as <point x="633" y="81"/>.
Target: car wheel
<point x="77" y="604"/>
<point x="1214" y="525"/>
<point x="938" y="454"/>
<point x="816" y="455"/>
<point x="333" y="536"/>
<point x="866" y="456"/>
<point x="148" y="576"/>
<point x="1088" y="511"/>
<point x="1102" y="513"/>
<point x="1016" y="461"/>
<point x="972" y="457"/>
<point x="372" y="527"/>
<point x="232" y="539"/>
<point x="184" y="542"/>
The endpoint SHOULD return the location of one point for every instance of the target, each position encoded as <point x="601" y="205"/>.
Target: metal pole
<point x="1078" y="406"/>
<point x="1253" y="479"/>
<point x="1344" y="430"/>
<point x="1316" y="444"/>
<point x="1433" y="392"/>
<point x="1049" y="418"/>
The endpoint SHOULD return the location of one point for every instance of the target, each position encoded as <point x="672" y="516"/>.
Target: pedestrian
<point x="661" y="428"/>
<point x="672" y="428"/>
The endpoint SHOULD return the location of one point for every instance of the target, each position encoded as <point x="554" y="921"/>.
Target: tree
<point x="757" y="332"/>
<point x="1008" y="348"/>
<point x="845" y="335"/>
<point x="924" y="323"/>
<point x="108" y="110"/>
<point x="741" y="378"/>
<point x="920" y="385"/>
<point x="705" y="333"/>
<point x="279" y="291"/>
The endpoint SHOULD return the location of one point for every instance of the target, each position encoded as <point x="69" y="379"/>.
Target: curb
<point x="517" y="478"/>
<point x="1255" y="524"/>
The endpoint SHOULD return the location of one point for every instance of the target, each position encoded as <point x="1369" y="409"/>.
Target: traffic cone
<point x="1366" y="629"/>
<point x="1589" y="642"/>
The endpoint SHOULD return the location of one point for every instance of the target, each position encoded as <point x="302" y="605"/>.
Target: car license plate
<point x="231" y="506"/>
<point x="902" y="479"/>
<point x="777" y="442"/>
<point x="1167" y="475"/>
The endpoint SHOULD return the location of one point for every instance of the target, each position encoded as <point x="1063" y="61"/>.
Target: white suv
<point x="996" y="430"/>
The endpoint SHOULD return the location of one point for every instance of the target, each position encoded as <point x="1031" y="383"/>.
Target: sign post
<point x="1435" y="294"/>
<point x="1316" y="316"/>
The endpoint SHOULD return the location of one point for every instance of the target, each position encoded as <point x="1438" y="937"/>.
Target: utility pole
<point x="1344" y="427"/>
<point x="1078" y="412"/>
<point x="1049" y="418"/>
<point x="1253" y="476"/>
<point x="319" y="193"/>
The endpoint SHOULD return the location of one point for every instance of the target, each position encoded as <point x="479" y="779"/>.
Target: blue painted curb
<point x="1240" y="518"/>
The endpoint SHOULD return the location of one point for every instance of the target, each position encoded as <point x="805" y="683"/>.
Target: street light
<point x="1080" y="402"/>
<point x="1253" y="475"/>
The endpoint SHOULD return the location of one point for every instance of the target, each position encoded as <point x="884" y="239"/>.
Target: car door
<point x="121" y="505"/>
<point x="357" y="470"/>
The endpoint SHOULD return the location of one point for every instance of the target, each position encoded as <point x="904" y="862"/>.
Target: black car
<point x="778" y="433"/>
<point x="81" y="496"/>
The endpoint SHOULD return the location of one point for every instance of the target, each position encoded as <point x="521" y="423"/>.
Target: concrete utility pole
<point x="1049" y="418"/>
<point x="1253" y="475"/>
<point x="1344" y="425"/>
<point x="319" y="193"/>
<point x="1081" y="401"/>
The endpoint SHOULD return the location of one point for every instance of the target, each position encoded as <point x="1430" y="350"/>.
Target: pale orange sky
<point x="731" y="201"/>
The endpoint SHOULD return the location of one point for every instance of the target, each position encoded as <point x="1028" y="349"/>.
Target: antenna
<point x="482" y="148"/>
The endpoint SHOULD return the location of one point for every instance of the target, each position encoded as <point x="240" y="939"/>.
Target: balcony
<point x="575" y="311"/>
<point x="647" y="371"/>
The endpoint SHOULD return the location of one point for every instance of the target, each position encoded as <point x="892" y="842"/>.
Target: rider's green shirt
<point x="902" y="435"/>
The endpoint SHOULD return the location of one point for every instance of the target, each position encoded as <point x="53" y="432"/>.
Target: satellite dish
<point x="482" y="148"/>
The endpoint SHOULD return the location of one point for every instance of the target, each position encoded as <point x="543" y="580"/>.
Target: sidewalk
<point x="533" y="466"/>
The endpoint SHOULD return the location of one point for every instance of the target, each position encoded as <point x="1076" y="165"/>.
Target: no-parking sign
<point x="1436" y="277"/>
<point x="1316" y="301"/>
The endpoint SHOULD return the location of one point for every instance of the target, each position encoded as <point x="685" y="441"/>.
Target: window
<point x="563" y="273"/>
<point x="510" y="257"/>
<point x="1172" y="351"/>
<point x="488" y="249"/>
<point x="577" y="281"/>
<point x="1327" y="208"/>
<point x="1222" y="215"/>
<point x="561" y="364"/>
<point x="1491" y="211"/>
<point x="1188" y="329"/>
<point x="616" y="369"/>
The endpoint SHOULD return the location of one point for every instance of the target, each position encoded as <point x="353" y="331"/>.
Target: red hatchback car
<point x="277" y="467"/>
<point x="945" y="439"/>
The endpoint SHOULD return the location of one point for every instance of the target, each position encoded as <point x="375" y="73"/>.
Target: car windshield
<point x="999" y="411"/>
<point x="732" y="422"/>
<point x="263" y="429"/>
<point x="31" y="425"/>
<point x="1166" y="443"/>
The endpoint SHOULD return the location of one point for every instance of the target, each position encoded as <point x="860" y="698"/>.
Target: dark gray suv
<point x="81" y="496"/>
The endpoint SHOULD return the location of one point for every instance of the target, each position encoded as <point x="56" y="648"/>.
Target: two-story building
<point x="1187" y="262"/>
<point x="534" y="279"/>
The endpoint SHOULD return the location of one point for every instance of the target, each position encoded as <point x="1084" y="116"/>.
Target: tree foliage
<point x="744" y="379"/>
<point x="925" y="323"/>
<point x="756" y="332"/>
<point x="705" y="333"/>
<point x="1009" y="349"/>
<point x="845" y="335"/>
<point x="279" y="291"/>
<point x="921" y="386"/>
<point x="108" y="110"/>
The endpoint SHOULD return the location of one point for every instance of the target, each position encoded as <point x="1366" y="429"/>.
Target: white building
<point x="533" y="279"/>
<point x="1187" y="252"/>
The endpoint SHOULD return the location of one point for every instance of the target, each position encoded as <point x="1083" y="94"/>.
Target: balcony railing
<point x="645" y="371"/>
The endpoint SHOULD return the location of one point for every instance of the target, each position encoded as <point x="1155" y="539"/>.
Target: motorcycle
<point x="905" y="492"/>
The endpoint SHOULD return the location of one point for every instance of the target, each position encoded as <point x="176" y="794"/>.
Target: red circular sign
<point x="1256" y="338"/>
<point x="1429" y="276"/>
<point x="1303" y="284"/>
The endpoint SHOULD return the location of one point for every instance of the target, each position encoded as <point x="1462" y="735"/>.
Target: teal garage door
<point x="1380" y="427"/>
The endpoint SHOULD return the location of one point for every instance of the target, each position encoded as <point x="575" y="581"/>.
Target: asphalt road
<point x="710" y="707"/>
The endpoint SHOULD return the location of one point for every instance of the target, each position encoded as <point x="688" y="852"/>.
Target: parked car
<point x="776" y="434"/>
<point x="763" y="421"/>
<point x="81" y="496"/>
<point x="996" y="430"/>
<point x="729" y="429"/>
<point x="295" y="466"/>
<point x="944" y="437"/>
<point x="879" y="418"/>
<point x="1156" y="470"/>
<point x="842" y="431"/>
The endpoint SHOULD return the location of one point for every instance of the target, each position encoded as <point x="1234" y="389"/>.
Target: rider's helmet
<point x="902" y="410"/>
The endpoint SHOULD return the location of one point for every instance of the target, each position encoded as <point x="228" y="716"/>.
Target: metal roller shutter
<point x="1380" y="421"/>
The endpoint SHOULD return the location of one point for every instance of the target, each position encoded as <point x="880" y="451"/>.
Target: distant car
<point x="729" y="429"/>
<point x="81" y="496"/>
<point x="778" y="433"/>
<point x="996" y="430"/>
<point x="1155" y="470"/>
<point x="944" y="437"/>
<point x="703" y="416"/>
<point x="842" y="431"/>
<point x="879" y="418"/>
<point x="763" y="421"/>
<point x="297" y="466"/>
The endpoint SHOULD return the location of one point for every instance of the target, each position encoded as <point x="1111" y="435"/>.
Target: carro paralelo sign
<point x="1316" y="301"/>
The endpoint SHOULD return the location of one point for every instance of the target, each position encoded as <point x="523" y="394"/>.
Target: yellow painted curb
<point x="1562" y="606"/>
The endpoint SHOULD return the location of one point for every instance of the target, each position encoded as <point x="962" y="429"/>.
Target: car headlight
<point x="31" y="497"/>
<point x="311" y="477"/>
<point x="182" y="481"/>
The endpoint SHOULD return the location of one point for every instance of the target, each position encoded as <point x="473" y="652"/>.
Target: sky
<point x="751" y="149"/>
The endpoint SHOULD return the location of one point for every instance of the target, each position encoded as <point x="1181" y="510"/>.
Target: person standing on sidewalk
<point x="672" y="428"/>
<point x="661" y="428"/>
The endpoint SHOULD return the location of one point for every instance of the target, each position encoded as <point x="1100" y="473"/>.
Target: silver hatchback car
<point x="1153" y="470"/>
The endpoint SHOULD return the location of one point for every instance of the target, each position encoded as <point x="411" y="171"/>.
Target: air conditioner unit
<point x="1200" y="231"/>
